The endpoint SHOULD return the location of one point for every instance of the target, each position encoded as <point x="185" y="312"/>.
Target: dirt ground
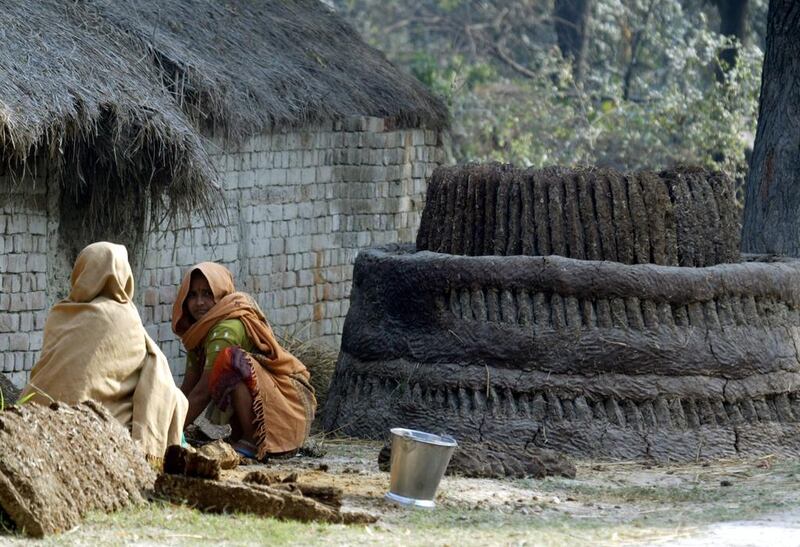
<point x="742" y="502"/>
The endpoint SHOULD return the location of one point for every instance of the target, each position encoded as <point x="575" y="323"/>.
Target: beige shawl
<point x="95" y="347"/>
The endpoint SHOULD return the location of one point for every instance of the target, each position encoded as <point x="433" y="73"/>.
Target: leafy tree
<point x="647" y="97"/>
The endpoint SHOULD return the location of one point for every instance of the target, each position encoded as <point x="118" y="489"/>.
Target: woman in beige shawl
<point x="95" y="347"/>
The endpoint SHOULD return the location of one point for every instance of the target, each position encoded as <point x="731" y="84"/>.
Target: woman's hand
<point x="199" y="397"/>
<point x="190" y="378"/>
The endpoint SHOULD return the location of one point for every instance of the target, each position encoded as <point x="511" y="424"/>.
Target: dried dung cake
<point x="222" y="452"/>
<point x="681" y="217"/>
<point x="591" y="358"/>
<point x="282" y="500"/>
<point x="59" y="462"/>
<point x="593" y="312"/>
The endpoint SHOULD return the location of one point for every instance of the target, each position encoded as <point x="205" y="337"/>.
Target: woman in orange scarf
<point x="234" y="361"/>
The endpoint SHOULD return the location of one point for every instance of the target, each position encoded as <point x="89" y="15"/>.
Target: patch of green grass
<point x="161" y="519"/>
<point x="608" y="508"/>
<point x="653" y="494"/>
<point x="448" y="526"/>
<point x="163" y="523"/>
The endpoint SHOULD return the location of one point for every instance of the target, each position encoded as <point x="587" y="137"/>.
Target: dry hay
<point x="239" y="67"/>
<point x="80" y="105"/>
<point x="682" y="217"/>
<point x="59" y="462"/>
<point x="318" y="357"/>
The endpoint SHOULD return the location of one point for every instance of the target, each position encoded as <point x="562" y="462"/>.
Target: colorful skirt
<point x="284" y="405"/>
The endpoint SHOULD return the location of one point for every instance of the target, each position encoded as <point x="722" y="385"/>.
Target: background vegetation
<point x="649" y="89"/>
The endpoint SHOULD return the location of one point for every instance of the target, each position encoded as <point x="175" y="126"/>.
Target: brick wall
<point x="23" y="272"/>
<point x="299" y="207"/>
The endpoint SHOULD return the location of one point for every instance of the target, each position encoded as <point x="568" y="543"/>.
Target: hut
<point x="267" y="136"/>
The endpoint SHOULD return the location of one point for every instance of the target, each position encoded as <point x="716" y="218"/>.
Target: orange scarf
<point x="284" y="405"/>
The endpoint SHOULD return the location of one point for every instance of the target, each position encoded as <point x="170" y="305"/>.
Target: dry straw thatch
<point x="76" y="93"/>
<point x="242" y="66"/>
<point x="318" y="357"/>
<point x="117" y="97"/>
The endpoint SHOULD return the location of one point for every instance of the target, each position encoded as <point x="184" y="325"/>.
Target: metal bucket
<point x="418" y="464"/>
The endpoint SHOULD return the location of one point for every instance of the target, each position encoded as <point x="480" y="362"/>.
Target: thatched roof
<point x="249" y="64"/>
<point x="76" y="89"/>
<point x="127" y="89"/>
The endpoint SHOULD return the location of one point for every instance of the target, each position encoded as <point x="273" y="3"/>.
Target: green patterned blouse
<point x="226" y="333"/>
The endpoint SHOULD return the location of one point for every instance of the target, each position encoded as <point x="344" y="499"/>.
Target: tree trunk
<point x="772" y="205"/>
<point x="733" y="23"/>
<point x="571" y="22"/>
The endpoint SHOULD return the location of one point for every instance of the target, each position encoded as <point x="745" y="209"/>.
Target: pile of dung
<point x="687" y="216"/>
<point x="59" y="462"/>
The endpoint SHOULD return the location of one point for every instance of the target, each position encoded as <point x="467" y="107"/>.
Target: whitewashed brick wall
<point x="300" y="205"/>
<point x="23" y="273"/>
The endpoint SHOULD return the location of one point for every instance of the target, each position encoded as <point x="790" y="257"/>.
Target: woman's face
<point x="200" y="298"/>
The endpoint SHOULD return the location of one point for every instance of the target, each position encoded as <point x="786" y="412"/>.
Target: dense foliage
<point x="653" y="93"/>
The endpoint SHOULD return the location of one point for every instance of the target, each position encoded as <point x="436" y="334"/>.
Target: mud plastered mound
<point x="682" y="217"/>
<point x="591" y="358"/>
<point x="59" y="462"/>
